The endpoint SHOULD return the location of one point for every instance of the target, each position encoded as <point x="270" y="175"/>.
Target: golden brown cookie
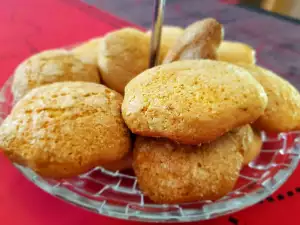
<point x="200" y="40"/>
<point x="122" y="164"/>
<point x="192" y="101"/>
<point x="250" y="141"/>
<point x="236" y="52"/>
<point x="65" y="129"/>
<point x="254" y="149"/>
<point x="173" y="173"/>
<point x="48" y="67"/>
<point x="169" y="36"/>
<point x="88" y="51"/>
<point x="283" y="110"/>
<point x="123" y="54"/>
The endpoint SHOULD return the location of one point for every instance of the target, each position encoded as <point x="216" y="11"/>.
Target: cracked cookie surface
<point x="49" y="67"/>
<point x="65" y="129"/>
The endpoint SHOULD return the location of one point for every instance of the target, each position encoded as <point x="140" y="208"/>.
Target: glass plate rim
<point x="232" y="205"/>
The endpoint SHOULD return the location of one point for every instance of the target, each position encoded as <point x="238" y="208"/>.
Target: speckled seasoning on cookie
<point x="174" y="173"/>
<point x="192" y="101"/>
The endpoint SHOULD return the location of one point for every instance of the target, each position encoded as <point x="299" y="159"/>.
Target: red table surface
<point x="28" y="26"/>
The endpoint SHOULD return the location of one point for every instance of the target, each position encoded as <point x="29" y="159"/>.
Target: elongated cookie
<point x="192" y="101"/>
<point x="236" y="52"/>
<point x="283" y="110"/>
<point x="169" y="36"/>
<point x="174" y="173"/>
<point x="65" y="129"/>
<point x="123" y="54"/>
<point x="48" y="67"/>
<point x="200" y="40"/>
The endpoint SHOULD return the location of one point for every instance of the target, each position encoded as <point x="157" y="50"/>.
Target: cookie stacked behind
<point x="199" y="110"/>
<point x="48" y="67"/>
<point x="123" y="54"/>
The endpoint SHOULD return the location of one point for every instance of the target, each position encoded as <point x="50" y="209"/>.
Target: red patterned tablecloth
<point x="28" y="26"/>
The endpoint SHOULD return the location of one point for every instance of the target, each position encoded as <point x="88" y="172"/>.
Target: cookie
<point x="236" y="52"/>
<point x="169" y="36"/>
<point x="48" y="67"/>
<point x="170" y="173"/>
<point x="283" y="110"/>
<point x="254" y="149"/>
<point x="123" y="54"/>
<point x="88" y="51"/>
<point x="200" y="40"/>
<point x="250" y="140"/>
<point x="192" y="101"/>
<point x="65" y="129"/>
<point x="119" y="165"/>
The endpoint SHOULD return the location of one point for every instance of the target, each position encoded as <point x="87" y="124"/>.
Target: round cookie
<point x="192" y="101"/>
<point x="123" y="54"/>
<point x="169" y="36"/>
<point x="48" y="67"/>
<point x="65" y="129"/>
<point x="250" y="140"/>
<point x="283" y="110"/>
<point x="172" y="173"/>
<point x="200" y="40"/>
<point x="88" y="51"/>
<point x="236" y="52"/>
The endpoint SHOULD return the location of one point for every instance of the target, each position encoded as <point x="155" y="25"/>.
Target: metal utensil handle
<point x="157" y="21"/>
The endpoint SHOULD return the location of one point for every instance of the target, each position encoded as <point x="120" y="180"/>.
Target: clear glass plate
<point x="116" y="194"/>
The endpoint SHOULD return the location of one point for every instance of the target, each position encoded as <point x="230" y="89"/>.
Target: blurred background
<point x="283" y="7"/>
<point x="270" y="26"/>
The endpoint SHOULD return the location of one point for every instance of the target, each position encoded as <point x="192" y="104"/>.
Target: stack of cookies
<point x="186" y="127"/>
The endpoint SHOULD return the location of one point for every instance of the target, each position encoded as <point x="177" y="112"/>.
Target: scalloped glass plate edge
<point x="208" y="211"/>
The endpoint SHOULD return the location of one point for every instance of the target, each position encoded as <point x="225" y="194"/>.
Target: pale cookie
<point x="172" y="173"/>
<point x="283" y="110"/>
<point x="169" y="36"/>
<point x="123" y="54"/>
<point x="236" y="52"/>
<point x="250" y="141"/>
<point x="200" y="40"/>
<point x="192" y="101"/>
<point x="65" y="129"/>
<point x="88" y="51"/>
<point x="49" y="67"/>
